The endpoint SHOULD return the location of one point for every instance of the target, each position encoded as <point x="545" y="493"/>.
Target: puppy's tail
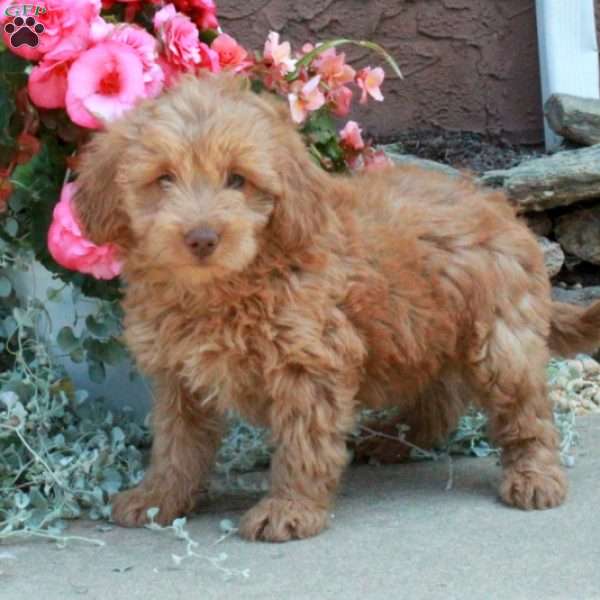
<point x="574" y="328"/>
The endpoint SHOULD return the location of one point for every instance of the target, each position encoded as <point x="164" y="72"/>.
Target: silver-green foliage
<point x="60" y="453"/>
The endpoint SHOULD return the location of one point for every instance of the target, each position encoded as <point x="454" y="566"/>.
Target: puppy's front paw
<point x="129" y="509"/>
<point x="280" y="520"/>
<point x="534" y="489"/>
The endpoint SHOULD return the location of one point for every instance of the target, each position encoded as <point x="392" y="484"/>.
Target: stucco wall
<point x="468" y="64"/>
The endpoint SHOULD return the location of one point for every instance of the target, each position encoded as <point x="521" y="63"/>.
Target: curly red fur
<point x="398" y="288"/>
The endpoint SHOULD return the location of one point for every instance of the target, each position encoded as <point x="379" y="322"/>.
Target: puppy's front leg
<point x="186" y="437"/>
<point x="309" y="423"/>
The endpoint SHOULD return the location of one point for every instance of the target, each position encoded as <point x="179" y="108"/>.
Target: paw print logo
<point x="24" y="31"/>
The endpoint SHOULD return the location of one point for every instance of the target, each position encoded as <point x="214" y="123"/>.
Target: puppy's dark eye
<point x="235" y="181"/>
<point x="166" y="178"/>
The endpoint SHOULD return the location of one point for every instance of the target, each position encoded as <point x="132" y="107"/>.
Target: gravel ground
<point x="463" y="150"/>
<point x="575" y="385"/>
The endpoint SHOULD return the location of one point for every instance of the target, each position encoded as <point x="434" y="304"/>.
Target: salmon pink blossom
<point x="369" y="81"/>
<point x="340" y="99"/>
<point x="351" y="136"/>
<point x="71" y="249"/>
<point x="279" y="55"/>
<point x="231" y="55"/>
<point x="305" y="98"/>
<point x="333" y="68"/>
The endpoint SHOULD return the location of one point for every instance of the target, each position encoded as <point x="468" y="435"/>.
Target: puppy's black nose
<point x="202" y="241"/>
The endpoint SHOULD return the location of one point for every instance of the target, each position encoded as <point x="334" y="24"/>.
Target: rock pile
<point x="575" y="385"/>
<point x="559" y="195"/>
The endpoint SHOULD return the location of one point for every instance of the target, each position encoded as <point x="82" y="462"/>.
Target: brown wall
<point x="468" y="64"/>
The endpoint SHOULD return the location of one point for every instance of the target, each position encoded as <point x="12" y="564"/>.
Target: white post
<point x="568" y="49"/>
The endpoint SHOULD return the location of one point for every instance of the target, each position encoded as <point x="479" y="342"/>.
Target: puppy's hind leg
<point x="430" y="418"/>
<point x="186" y="437"/>
<point x="510" y="377"/>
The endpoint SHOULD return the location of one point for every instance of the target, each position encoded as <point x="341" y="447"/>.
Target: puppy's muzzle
<point x="202" y="241"/>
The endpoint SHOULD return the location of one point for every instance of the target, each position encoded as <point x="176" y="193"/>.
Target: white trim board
<point x="568" y="49"/>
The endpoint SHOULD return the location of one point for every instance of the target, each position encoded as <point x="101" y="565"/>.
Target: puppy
<point x="258" y="282"/>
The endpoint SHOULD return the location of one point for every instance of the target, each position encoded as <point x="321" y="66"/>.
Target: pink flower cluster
<point x="359" y="154"/>
<point x="97" y="70"/>
<point x="202" y="12"/>
<point x="324" y="82"/>
<point x="71" y="249"/>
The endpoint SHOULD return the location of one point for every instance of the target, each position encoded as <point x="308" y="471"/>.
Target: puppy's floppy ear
<point x="300" y="210"/>
<point x="98" y="198"/>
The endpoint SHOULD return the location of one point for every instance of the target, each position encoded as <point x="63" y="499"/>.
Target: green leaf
<point x="38" y="500"/>
<point x="5" y="287"/>
<point x="11" y="227"/>
<point x="111" y="481"/>
<point x="12" y="69"/>
<point x="114" y="352"/>
<point x="67" y="341"/>
<point x="77" y="356"/>
<point x="9" y="324"/>
<point x="208" y="36"/>
<point x="117" y="435"/>
<point x="110" y="352"/>
<point x="96" y="372"/>
<point x="54" y="294"/>
<point x="96" y="327"/>
<point x="7" y="109"/>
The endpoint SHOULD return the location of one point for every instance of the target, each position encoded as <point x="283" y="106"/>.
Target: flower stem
<point x="310" y="56"/>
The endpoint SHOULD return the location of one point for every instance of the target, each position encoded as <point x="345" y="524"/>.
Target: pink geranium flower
<point x="71" y="249"/>
<point x="279" y="55"/>
<point x="182" y="51"/>
<point x="100" y="30"/>
<point x="103" y="83"/>
<point x="146" y="47"/>
<point x="171" y="74"/>
<point x="231" y="55"/>
<point x="369" y="81"/>
<point x="306" y="97"/>
<point x="209" y="59"/>
<point x="179" y="37"/>
<point x="47" y="84"/>
<point x="340" y="98"/>
<point x="351" y="136"/>
<point x="63" y="20"/>
<point x="333" y="68"/>
<point x="202" y="12"/>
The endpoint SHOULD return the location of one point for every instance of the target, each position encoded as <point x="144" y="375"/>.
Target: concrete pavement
<point x="397" y="533"/>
